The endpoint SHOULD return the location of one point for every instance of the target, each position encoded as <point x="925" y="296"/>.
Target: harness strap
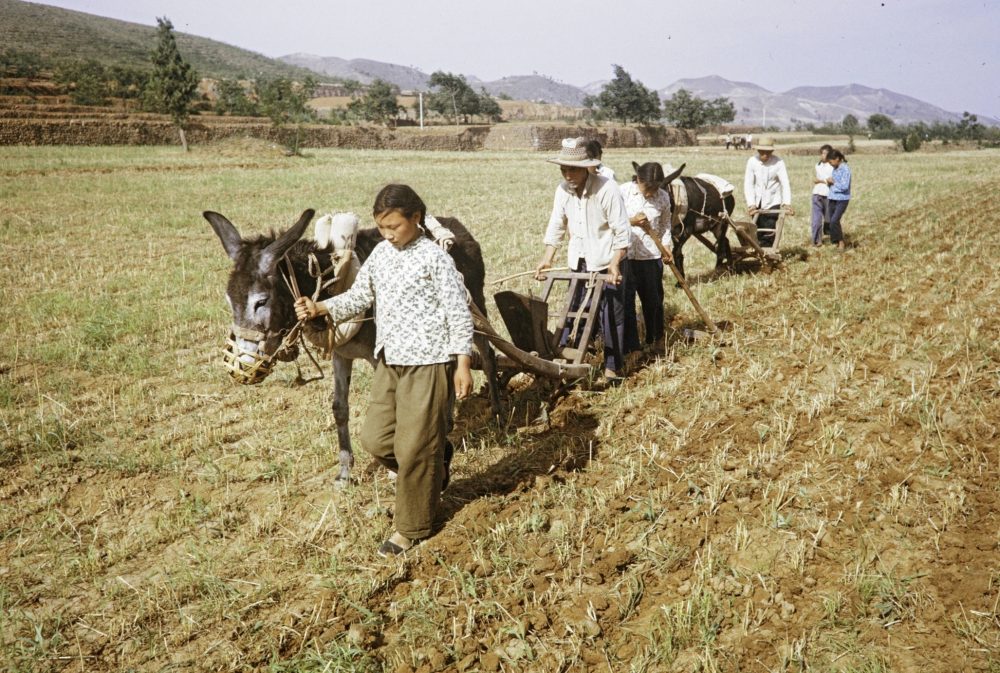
<point x="721" y="218"/>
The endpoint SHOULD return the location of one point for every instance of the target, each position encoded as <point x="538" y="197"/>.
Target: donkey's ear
<point x="224" y="229"/>
<point x="635" y="167"/>
<point x="673" y="176"/>
<point x="273" y="253"/>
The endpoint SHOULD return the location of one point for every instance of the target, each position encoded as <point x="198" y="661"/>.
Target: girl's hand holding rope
<point x="307" y="309"/>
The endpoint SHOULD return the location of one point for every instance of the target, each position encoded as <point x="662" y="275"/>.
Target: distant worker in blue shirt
<point x="840" y="195"/>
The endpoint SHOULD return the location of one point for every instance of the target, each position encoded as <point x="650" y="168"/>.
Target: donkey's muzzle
<point x="245" y="366"/>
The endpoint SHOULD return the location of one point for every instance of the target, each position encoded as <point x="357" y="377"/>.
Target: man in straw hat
<point x="766" y="187"/>
<point x="590" y="208"/>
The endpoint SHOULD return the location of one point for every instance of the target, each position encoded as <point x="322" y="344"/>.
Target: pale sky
<point x="945" y="52"/>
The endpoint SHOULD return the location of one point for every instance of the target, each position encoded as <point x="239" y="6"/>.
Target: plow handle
<point x="680" y="279"/>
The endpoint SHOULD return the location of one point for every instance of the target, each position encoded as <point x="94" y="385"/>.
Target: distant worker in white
<point x="766" y="187"/>
<point x="821" y="190"/>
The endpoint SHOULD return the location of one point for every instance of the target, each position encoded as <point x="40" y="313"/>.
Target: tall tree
<point x="688" y="111"/>
<point x="626" y="99"/>
<point x="850" y="124"/>
<point x="286" y="102"/>
<point x="880" y="124"/>
<point x="173" y="85"/>
<point x="454" y="97"/>
<point x="378" y="104"/>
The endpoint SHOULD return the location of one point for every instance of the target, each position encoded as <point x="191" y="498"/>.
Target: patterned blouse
<point x="421" y="314"/>
<point x="657" y="211"/>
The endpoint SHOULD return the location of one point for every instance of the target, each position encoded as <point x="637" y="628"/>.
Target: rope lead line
<point x="295" y="334"/>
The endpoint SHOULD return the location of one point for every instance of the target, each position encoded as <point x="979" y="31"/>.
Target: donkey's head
<point x="261" y="302"/>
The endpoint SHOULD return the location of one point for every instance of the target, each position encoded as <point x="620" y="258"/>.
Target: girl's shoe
<point x="396" y="545"/>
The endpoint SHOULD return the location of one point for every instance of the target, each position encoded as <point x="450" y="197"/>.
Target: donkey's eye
<point x="260" y="303"/>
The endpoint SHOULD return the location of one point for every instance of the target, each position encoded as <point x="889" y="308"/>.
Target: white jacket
<point x="823" y="171"/>
<point x="596" y="222"/>
<point x="765" y="184"/>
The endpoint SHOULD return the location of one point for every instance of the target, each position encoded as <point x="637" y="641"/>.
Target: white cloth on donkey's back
<point x="724" y="186"/>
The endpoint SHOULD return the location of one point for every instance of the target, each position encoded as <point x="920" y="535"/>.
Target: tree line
<point x="911" y="136"/>
<point x="170" y="86"/>
<point x="628" y="100"/>
<point x="450" y="97"/>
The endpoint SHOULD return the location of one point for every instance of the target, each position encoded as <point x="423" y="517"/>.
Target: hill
<point x="535" y="88"/>
<point x="812" y="104"/>
<point x="360" y="69"/>
<point x="56" y="34"/>
<point x="714" y="86"/>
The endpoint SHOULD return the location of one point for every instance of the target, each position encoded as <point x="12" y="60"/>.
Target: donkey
<point x="263" y="308"/>
<point x="707" y="210"/>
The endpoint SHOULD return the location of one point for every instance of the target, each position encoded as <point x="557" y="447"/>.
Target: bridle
<point x="251" y="367"/>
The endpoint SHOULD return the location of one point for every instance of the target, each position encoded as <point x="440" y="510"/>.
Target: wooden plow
<point x="558" y="351"/>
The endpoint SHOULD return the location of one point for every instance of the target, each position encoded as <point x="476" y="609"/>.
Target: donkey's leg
<point x="341" y="414"/>
<point x="678" y="251"/>
<point x="723" y="252"/>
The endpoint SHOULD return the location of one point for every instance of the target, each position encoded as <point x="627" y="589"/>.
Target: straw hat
<point x="766" y="143"/>
<point x="573" y="153"/>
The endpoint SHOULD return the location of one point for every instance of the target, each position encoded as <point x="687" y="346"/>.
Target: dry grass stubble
<point x="818" y="494"/>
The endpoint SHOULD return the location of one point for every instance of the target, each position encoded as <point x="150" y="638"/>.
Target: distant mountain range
<point x="535" y="88"/>
<point x="57" y="34"/>
<point x="813" y="104"/>
<point x="754" y="104"/>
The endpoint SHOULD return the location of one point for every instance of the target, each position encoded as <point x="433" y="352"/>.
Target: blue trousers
<point x="645" y="279"/>
<point x="819" y="216"/>
<point x="612" y="315"/>
<point x="837" y="209"/>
